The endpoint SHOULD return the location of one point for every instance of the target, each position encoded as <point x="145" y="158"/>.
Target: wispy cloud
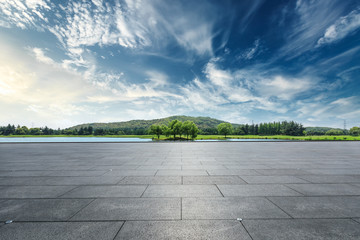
<point x="313" y="17"/>
<point x="341" y="28"/>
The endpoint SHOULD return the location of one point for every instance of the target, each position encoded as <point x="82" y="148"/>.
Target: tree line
<point x="187" y="128"/>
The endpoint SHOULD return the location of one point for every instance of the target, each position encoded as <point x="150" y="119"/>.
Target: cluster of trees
<point x="23" y="130"/>
<point x="355" y="131"/>
<point x="175" y="127"/>
<point x="272" y="128"/>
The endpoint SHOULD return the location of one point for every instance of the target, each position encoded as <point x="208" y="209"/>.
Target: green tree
<point x="193" y="130"/>
<point x="175" y="128"/>
<point x="165" y="130"/>
<point x="355" y="131"/>
<point x="186" y="126"/>
<point x="156" y="129"/>
<point x="225" y="129"/>
<point x="334" y="132"/>
<point x="189" y="128"/>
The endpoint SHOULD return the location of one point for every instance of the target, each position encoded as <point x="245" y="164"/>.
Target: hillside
<point x="203" y="123"/>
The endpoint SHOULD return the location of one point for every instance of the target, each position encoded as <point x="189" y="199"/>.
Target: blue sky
<point x="68" y="62"/>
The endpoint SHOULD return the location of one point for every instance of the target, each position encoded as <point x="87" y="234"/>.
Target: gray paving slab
<point x="319" y="207"/>
<point x="246" y="166"/>
<point x="331" y="178"/>
<point x="230" y="208"/>
<point x="60" y="230"/>
<point x="131" y="209"/>
<point x="92" y="173"/>
<point x="33" y="191"/>
<point x="251" y="190"/>
<point x="182" y="173"/>
<point x="182" y="191"/>
<point x="272" y="179"/>
<point x="114" y="167"/>
<point x="130" y="173"/>
<point x="282" y="172"/>
<point x="106" y="191"/>
<point x="202" y="167"/>
<point x="161" y="230"/>
<point x="23" y="173"/>
<point x="152" y="180"/>
<point x="195" y="180"/>
<point x="340" y="171"/>
<point x="240" y="172"/>
<point x="160" y="167"/>
<point x="59" y="181"/>
<point x="41" y="209"/>
<point x="319" y="229"/>
<point x="325" y="189"/>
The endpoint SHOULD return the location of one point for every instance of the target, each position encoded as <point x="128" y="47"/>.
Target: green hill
<point x="205" y="124"/>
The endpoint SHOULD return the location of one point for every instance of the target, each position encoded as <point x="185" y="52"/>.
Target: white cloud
<point x="251" y="52"/>
<point x="40" y="56"/>
<point x="23" y="13"/>
<point x="284" y="88"/>
<point x="341" y="28"/>
<point x="313" y="17"/>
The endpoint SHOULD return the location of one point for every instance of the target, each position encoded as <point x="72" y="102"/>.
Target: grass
<point x="215" y="137"/>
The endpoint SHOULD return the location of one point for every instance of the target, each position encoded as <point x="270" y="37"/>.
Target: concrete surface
<point x="280" y="190"/>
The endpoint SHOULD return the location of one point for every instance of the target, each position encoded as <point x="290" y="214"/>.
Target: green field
<point x="217" y="137"/>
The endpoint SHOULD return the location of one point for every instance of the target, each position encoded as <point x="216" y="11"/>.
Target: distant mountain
<point x="202" y="123"/>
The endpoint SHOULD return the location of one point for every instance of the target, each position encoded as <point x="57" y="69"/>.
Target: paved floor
<point x="286" y="190"/>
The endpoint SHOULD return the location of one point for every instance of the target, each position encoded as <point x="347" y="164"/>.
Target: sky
<point x="64" y="63"/>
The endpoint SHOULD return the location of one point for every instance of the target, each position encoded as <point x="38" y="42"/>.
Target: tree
<point x="156" y="129"/>
<point x="335" y="132"/>
<point x="165" y="130"/>
<point x="175" y="127"/>
<point x="189" y="128"/>
<point x="225" y="128"/>
<point x="186" y="126"/>
<point x="193" y="130"/>
<point x="355" y="131"/>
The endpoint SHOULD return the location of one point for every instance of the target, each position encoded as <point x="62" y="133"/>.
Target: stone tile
<point x="181" y="173"/>
<point x="130" y="173"/>
<point x="332" y="178"/>
<point x="194" y="180"/>
<point x="272" y="179"/>
<point x="230" y="208"/>
<point x="33" y="191"/>
<point x="151" y="180"/>
<point x="131" y="209"/>
<point x="336" y="171"/>
<point x="59" y="181"/>
<point x="246" y="166"/>
<point x="60" y="230"/>
<point x="160" y="167"/>
<point x="329" y="229"/>
<point x="114" y="167"/>
<point x="240" y="172"/>
<point x="41" y="209"/>
<point x="92" y="173"/>
<point x="23" y="173"/>
<point x="106" y="191"/>
<point x="282" y="172"/>
<point x="202" y="167"/>
<point x="182" y="191"/>
<point x="325" y="189"/>
<point x="319" y="207"/>
<point x="196" y="230"/>
<point x="250" y="190"/>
